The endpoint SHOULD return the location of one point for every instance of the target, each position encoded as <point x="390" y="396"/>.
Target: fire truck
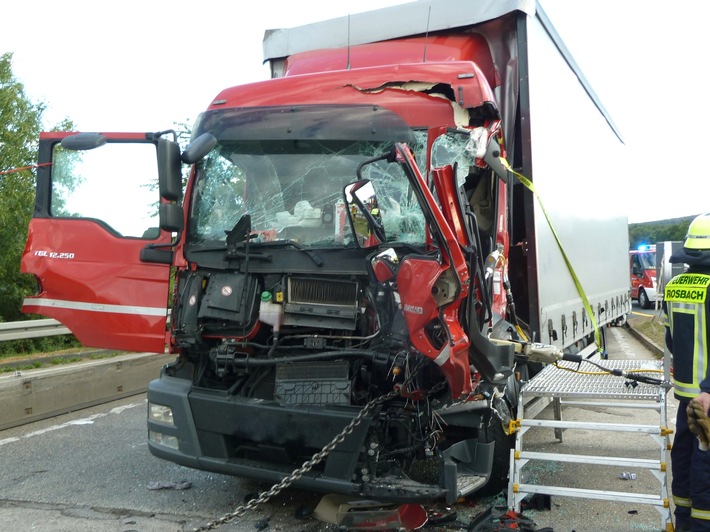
<point x="373" y="250"/>
<point x="642" y="265"/>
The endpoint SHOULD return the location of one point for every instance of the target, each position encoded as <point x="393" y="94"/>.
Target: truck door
<point x="94" y="245"/>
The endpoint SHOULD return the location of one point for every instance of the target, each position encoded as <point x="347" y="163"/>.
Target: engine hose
<point x="270" y="354"/>
<point x="632" y="375"/>
<point x="326" y="355"/>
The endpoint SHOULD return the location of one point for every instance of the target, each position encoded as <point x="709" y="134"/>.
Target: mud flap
<point x="467" y="468"/>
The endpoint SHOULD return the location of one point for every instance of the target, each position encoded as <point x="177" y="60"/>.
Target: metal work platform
<point x="584" y="385"/>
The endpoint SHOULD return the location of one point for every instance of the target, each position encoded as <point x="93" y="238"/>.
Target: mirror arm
<point x="159" y="253"/>
<point x="158" y="134"/>
<point x="390" y="157"/>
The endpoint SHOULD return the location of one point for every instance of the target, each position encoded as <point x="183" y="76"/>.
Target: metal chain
<point x="314" y="460"/>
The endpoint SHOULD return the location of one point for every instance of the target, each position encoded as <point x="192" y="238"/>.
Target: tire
<point x="501" y="457"/>
<point x="643" y="299"/>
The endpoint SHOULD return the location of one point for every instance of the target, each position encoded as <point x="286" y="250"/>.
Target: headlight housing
<point x="161" y="414"/>
<point x="163" y="439"/>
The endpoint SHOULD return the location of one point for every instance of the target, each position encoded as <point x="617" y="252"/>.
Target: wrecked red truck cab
<point x="352" y="270"/>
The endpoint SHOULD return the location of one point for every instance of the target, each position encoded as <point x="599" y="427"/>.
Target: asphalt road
<point x="91" y="471"/>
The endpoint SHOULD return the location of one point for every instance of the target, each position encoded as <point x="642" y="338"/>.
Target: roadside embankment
<point x="31" y="395"/>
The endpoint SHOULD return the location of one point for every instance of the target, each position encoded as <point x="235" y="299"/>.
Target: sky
<point x="149" y="65"/>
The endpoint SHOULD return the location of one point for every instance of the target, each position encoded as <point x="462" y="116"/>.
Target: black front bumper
<point x="266" y="441"/>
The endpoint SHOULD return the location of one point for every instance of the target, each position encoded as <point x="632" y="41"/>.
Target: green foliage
<point x="64" y="179"/>
<point x="660" y="231"/>
<point x="49" y="344"/>
<point x="20" y="125"/>
<point x="20" y="122"/>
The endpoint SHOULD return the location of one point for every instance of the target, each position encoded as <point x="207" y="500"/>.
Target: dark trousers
<point x="691" y="477"/>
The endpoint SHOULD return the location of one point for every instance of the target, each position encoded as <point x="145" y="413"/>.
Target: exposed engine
<point x="309" y="342"/>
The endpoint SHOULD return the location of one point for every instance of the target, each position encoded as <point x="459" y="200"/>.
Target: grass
<point x="650" y="323"/>
<point x="21" y="367"/>
<point x="57" y="361"/>
<point x="57" y="358"/>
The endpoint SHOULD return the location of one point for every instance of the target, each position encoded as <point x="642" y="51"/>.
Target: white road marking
<point x="83" y="421"/>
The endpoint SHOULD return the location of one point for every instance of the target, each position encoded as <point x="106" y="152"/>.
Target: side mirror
<point x="83" y="141"/>
<point x="169" y="170"/>
<point x="170" y="217"/>
<point x="364" y="213"/>
<point x="198" y="148"/>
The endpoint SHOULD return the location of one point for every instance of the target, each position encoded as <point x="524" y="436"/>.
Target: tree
<point x="659" y="231"/>
<point x="20" y="125"/>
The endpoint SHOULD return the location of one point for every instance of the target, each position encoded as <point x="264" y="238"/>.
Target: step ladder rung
<point x="612" y="427"/>
<point x="620" y="496"/>
<point x="593" y="460"/>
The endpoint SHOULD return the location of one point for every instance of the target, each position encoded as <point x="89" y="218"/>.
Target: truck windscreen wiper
<point x="315" y="257"/>
<point x="234" y="253"/>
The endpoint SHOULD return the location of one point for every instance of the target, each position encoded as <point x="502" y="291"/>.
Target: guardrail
<point x="19" y="330"/>
<point x="47" y="391"/>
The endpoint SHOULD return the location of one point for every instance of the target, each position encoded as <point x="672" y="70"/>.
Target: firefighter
<point x="686" y="304"/>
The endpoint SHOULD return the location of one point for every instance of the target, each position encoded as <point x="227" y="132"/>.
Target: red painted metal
<point x="416" y="279"/>
<point x="392" y="87"/>
<point x="58" y="135"/>
<point x="105" y="303"/>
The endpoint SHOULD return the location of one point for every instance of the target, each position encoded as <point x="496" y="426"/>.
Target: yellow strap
<point x="528" y="184"/>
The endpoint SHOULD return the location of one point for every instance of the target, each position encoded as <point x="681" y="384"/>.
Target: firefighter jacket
<point x="686" y="304"/>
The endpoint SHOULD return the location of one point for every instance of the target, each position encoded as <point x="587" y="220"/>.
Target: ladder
<point x="560" y="385"/>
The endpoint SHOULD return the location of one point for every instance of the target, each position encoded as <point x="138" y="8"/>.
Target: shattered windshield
<point x="293" y="189"/>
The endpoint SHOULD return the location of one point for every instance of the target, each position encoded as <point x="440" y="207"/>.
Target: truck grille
<point x="322" y="292"/>
<point x="321" y="303"/>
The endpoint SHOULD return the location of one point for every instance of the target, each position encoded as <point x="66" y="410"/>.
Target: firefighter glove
<point x="699" y="423"/>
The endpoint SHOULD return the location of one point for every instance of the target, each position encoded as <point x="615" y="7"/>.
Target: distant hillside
<point x="659" y="231"/>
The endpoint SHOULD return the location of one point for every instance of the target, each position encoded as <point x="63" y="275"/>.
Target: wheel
<point x="643" y="299"/>
<point x="501" y="457"/>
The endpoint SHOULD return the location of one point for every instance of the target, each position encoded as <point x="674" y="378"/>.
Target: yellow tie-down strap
<point x="528" y="184"/>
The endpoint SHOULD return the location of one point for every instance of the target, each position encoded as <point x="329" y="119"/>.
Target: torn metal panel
<point x="462" y="117"/>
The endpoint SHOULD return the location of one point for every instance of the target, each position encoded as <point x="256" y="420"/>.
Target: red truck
<point x="642" y="266"/>
<point x="353" y="270"/>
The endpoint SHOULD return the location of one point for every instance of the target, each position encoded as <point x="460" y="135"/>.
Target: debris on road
<point x="355" y="514"/>
<point x="164" y="485"/>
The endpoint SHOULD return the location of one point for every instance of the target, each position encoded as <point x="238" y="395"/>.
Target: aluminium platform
<point x="562" y="385"/>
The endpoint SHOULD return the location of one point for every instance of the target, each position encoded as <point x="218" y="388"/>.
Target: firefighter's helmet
<point x="698" y="237"/>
